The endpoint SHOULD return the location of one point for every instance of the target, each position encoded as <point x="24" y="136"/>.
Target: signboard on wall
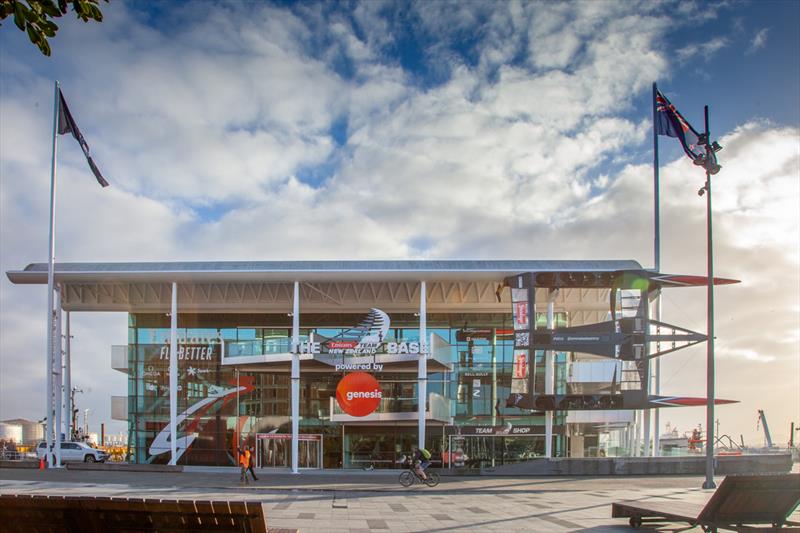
<point x="358" y="394"/>
<point x="367" y="338"/>
<point x="499" y="431"/>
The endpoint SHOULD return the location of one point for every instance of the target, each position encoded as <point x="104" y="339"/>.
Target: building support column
<point x="173" y="377"/>
<point x="422" y="376"/>
<point x="67" y="383"/>
<point x="656" y="414"/>
<point x="58" y="375"/>
<point x="648" y="372"/>
<point x="295" y="376"/>
<point x="549" y="374"/>
<point x="495" y="407"/>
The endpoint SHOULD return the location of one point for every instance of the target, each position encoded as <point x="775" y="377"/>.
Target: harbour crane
<point x="762" y="419"/>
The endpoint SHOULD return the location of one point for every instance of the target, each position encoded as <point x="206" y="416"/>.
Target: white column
<point x="173" y="377"/>
<point x="67" y="383"/>
<point x="549" y="375"/>
<point x="646" y="420"/>
<point x="422" y="376"/>
<point x="58" y="375"/>
<point x="295" y="376"/>
<point x="494" y="380"/>
<point x="656" y="417"/>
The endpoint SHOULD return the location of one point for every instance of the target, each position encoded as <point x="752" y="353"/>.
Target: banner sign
<point x="522" y="309"/>
<point x="288" y="436"/>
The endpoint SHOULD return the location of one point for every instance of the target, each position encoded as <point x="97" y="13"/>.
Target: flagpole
<point x="50" y="264"/>
<point x="656" y="200"/>
<point x="657" y="265"/>
<point x="709" y="482"/>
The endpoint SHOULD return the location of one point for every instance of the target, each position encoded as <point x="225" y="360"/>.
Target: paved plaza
<point x="360" y="502"/>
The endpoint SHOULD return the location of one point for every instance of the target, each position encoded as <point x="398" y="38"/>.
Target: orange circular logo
<point x="358" y="394"/>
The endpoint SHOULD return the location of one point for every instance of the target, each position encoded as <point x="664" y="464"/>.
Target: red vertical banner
<point x="521" y="310"/>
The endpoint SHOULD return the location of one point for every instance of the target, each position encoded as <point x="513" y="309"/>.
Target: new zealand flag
<point x="670" y="122"/>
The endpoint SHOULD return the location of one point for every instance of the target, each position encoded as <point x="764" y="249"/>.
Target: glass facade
<point x="220" y="405"/>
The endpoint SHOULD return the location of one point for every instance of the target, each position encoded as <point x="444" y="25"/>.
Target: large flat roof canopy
<point x="232" y="271"/>
<point x="454" y="286"/>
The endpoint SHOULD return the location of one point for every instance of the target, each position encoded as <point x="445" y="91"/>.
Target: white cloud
<point x="704" y="51"/>
<point x="759" y="40"/>
<point x="515" y="152"/>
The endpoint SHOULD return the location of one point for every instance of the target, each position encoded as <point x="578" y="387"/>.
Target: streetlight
<point x="709" y="162"/>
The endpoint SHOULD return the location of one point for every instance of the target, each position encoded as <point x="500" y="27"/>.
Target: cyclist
<point x="422" y="460"/>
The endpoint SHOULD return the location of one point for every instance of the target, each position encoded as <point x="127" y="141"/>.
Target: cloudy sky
<point x="430" y="130"/>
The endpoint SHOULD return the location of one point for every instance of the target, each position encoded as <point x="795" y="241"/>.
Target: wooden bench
<point x="57" y="514"/>
<point x="740" y="501"/>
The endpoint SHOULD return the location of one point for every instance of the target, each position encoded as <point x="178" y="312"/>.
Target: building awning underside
<point x="326" y="286"/>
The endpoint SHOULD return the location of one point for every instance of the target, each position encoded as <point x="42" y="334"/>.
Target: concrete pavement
<point x="360" y="502"/>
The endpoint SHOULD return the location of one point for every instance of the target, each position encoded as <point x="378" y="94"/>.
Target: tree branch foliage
<point x="35" y="16"/>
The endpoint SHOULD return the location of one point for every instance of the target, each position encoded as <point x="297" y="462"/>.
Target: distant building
<point x="10" y="433"/>
<point x="31" y="432"/>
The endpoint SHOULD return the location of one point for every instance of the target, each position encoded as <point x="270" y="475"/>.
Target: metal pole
<point x="656" y="265"/>
<point x="58" y="375"/>
<point x="67" y="383"/>
<point x="51" y="258"/>
<point x="656" y="412"/>
<point x="656" y="202"/>
<point x="646" y="418"/>
<point x="709" y="482"/>
<point x="173" y="377"/>
<point x="422" y="376"/>
<point x="295" y="376"/>
<point x="549" y="372"/>
<point x="237" y="436"/>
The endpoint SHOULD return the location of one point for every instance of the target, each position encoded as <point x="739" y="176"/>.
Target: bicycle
<point x="410" y="476"/>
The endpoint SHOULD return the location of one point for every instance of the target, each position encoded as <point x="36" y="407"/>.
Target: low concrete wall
<point x="125" y="467"/>
<point x="19" y="464"/>
<point x="645" y="466"/>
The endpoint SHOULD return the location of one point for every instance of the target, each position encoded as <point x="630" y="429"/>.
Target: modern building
<point x="445" y="328"/>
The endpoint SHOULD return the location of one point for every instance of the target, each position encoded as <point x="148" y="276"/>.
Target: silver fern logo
<point x="364" y="339"/>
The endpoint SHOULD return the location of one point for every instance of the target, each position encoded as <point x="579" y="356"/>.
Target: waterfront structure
<point x="261" y="348"/>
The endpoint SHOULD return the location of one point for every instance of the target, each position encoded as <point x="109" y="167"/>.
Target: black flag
<point x="66" y="124"/>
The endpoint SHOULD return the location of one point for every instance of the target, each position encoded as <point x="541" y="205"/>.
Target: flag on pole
<point x="66" y="124"/>
<point x="671" y="123"/>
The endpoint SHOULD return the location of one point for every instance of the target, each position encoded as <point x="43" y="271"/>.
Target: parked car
<point x="75" y="451"/>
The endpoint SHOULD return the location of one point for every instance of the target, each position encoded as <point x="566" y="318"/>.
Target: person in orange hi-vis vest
<point x="244" y="463"/>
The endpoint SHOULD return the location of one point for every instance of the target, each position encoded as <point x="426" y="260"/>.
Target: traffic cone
<point x="41" y="463"/>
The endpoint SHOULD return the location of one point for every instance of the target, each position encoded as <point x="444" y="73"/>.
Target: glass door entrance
<point x="274" y="450"/>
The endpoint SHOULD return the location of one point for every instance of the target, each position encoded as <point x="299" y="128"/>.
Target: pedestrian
<point x="251" y="460"/>
<point x="244" y="464"/>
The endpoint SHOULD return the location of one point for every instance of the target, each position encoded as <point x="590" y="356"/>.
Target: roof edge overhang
<point x="287" y="271"/>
